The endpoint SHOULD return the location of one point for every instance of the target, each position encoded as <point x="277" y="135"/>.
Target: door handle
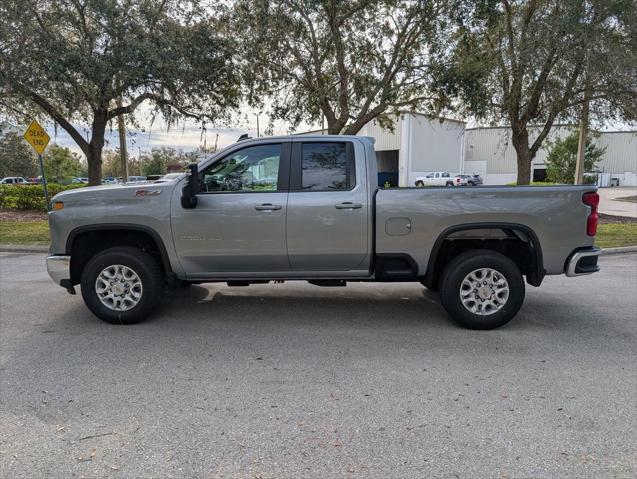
<point x="348" y="205"/>
<point x="267" y="207"/>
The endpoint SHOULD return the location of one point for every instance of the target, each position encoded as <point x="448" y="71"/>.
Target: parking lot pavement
<point x="293" y="380"/>
<point x="610" y="206"/>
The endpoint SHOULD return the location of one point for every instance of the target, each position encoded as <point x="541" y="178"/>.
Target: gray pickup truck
<point x="309" y="208"/>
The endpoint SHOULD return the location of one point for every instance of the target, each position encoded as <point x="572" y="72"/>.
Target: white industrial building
<point x="419" y="144"/>
<point x="490" y="153"/>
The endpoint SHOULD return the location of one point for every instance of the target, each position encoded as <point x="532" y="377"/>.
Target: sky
<point x="186" y="136"/>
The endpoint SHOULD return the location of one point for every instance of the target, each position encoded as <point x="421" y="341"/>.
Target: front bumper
<point x="583" y="261"/>
<point x="59" y="269"/>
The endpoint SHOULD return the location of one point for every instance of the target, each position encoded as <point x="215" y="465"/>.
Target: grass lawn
<point x="613" y="235"/>
<point x="609" y="235"/>
<point x="24" y="232"/>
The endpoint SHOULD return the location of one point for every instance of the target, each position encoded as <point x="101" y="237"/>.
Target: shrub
<point x="29" y="197"/>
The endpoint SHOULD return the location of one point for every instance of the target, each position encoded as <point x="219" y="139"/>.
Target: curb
<point x="45" y="249"/>
<point x="9" y="248"/>
<point x="622" y="250"/>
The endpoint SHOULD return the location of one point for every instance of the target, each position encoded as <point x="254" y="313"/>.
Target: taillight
<point x="591" y="199"/>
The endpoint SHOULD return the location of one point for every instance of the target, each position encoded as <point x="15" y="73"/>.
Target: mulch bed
<point x="632" y="199"/>
<point x="611" y="219"/>
<point x="16" y="215"/>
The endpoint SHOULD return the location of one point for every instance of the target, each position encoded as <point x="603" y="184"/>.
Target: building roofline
<point x="508" y="127"/>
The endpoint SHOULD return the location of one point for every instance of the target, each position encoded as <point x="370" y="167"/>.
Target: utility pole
<point x="122" y="143"/>
<point x="583" y="135"/>
<point x="216" y="140"/>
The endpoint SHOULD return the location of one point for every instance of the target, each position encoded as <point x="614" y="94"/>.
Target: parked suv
<point x="470" y="180"/>
<point x="14" y="180"/>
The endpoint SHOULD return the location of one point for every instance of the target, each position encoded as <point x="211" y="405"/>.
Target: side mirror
<point x="191" y="188"/>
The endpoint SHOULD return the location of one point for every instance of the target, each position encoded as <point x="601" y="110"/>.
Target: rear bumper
<point x="59" y="269"/>
<point x="583" y="261"/>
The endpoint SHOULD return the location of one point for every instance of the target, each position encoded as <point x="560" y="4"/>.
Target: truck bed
<point x="411" y="220"/>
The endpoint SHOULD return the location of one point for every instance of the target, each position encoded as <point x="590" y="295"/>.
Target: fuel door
<point x="398" y="226"/>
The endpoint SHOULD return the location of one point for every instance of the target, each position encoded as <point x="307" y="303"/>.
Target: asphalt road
<point x="299" y="381"/>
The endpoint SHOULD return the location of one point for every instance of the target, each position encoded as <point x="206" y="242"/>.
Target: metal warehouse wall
<point x="494" y="146"/>
<point x="434" y="145"/>
<point x="385" y="139"/>
<point x="621" y="152"/>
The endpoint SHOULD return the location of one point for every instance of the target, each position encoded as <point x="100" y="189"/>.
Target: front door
<point x="327" y="208"/>
<point x="238" y="225"/>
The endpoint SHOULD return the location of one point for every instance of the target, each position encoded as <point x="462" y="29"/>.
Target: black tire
<point x="449" y="183"/>
<point x="471" y="183"/>
<point x="147" y="269"/>
<point x="420" y="184"/>
<point x="460" y="268"/>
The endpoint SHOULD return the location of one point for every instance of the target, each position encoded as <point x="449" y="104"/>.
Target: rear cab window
<point x="324" y="166"/>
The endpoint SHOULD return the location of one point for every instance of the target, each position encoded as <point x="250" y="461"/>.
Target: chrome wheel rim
<point x="118" y="287"/>
<point x="484" y="291"/>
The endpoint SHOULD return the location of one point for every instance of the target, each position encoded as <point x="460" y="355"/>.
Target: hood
<point x="102" y="193"/>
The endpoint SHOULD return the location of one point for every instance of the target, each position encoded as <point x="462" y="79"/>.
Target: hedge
<point x="29" y="197"/>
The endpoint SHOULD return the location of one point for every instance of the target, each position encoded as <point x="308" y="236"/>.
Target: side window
<point x="255" y="168"/>
<point x="445" y="175"/>
<point x="325" y="167"/>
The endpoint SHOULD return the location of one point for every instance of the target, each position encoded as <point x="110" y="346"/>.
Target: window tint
<point x="325" y="167"/>
<point x="255" y="168"/>
<point x="445" y="175"/>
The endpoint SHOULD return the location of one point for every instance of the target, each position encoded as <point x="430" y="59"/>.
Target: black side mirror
<point x="191" y="188"/>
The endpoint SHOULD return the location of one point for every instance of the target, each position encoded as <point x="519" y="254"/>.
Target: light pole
<point x="257" y="115"/>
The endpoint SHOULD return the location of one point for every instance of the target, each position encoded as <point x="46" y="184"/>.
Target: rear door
<point x="327" y="214"/>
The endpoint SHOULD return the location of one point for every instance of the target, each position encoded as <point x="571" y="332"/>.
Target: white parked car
<point x="136" y="179"/>
<point x="439" y="178"/>
<point x="14" y="180"/>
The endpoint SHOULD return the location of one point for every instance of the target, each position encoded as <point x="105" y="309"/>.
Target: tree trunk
<point x="520" y="138"/>
<point x="583" y="136"/>
<point x="122" y="142"/>
<point x="94" y="156"/>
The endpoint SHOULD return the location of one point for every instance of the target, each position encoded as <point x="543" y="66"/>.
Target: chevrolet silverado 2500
<point x="309" y="208"/>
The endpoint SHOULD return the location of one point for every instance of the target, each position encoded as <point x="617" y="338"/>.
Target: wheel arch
<point x="108" y="235"/>
<point x="535" y="272"/>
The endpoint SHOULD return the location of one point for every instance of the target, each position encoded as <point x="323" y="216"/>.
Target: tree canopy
<point x="349" y="62"/>
<point x="533" y="62"/>
<point x="562" y="157"/>
<point x="16" y="157"/>
<point x="61" y="165"/>
<point x="71" y="60"/>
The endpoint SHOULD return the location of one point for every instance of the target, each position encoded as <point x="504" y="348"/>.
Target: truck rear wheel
<point x="482" y="289"/>
<point x="122" y="285"/>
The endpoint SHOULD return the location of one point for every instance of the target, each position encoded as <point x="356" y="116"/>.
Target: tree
<point x="61" y="165"/>
<point x="562" y="157"/>
<point x="155" y="163"/>
<point x="72" y="60"/>
<point x="532" y="62"/>
<point x="349" y="62"/>
<point x="16" y="157"/>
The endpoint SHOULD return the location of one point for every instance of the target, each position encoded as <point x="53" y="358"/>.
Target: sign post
<point x="38" y="139"/>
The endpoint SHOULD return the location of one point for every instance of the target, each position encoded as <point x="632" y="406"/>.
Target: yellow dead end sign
<point x="37" y="137"/>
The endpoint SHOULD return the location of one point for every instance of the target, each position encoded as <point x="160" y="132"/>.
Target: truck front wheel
<point x="482" y="289"/>
<point x="122" y="285"/>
